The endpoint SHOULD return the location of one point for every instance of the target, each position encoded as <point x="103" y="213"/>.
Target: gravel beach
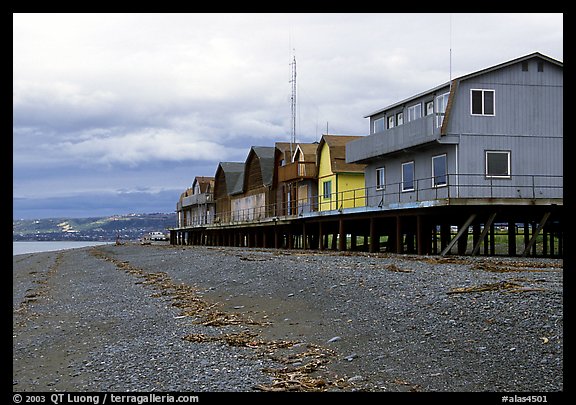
<point x="188" y="318"/>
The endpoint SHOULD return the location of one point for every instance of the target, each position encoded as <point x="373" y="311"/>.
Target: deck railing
<point x="449" y="188"/>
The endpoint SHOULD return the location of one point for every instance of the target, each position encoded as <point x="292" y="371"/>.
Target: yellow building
<point x="340" y="184"/>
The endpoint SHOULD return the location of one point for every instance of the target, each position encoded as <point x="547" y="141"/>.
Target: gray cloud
<point x="106" y="101"/>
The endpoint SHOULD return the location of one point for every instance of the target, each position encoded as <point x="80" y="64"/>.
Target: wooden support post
<point x="304" y="237"/>
<point x="463" y="242"/>
<point x="320" y="237"/>
<point x="532" y="241"/>
<point x="475" y="237"/>
<point x="492" y="240"/>
<point x="463" y="229"/>
<point x="482" y="236"/>
<point x="420" y="243"/>
<point x="341" y="235"/>
<point x="444" y="235"/>
<point x="276" y="245"/>
<point x="374" y="238"/>
<point x="511" y="238"/>
<point x="399" y="239"/>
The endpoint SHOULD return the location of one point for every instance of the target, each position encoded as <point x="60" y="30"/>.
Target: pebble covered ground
<point x="183" y="318"/>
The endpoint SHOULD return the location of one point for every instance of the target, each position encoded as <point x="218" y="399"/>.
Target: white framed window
<point x="408" y="176"/>
<point x="391" y="121"/>
<point x="482" y="102"/>
<point x="498" y="164"/>
<point x="441" y="104"/>
<point x="400" y="118"/>
<point x="439" y="171"/>
<point x="378" y="125"/>
<point x="327" y="189"/>
<point x="381" y="178"/>
<point x="429" y="107"/>
<point x="414" y="112"/>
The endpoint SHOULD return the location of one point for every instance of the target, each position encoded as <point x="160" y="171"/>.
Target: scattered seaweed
<point x="506" y="286"/>
<point x="296" y="376"/>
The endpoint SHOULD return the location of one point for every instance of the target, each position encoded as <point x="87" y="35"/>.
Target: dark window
<point x="540" y="66"/>
<point x="439" y="170"/>
<point x="524" y="66"/>
<point x="497" y="164"/>
<point x="380" y="178"/>
<point x="476" y="101"/>
<point x="488" y="103"/>
<point x="408" y="176"/>
<point x="482" y="102"/>
<point x="327" y="189"/>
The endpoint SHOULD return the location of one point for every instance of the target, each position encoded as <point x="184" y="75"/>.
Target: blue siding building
<point x="492" y="136"/>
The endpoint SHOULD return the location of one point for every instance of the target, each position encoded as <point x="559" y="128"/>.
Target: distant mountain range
<point x="126" y="227"/>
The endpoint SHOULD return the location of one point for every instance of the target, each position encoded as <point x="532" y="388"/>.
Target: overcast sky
<point x="117" y="113"/>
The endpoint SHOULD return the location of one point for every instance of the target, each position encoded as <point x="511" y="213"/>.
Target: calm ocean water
<point x="19" y="248"/>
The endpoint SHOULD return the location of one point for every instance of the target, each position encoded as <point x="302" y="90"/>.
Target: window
<point x="430" y="107"/>
<point x="540" y="66"/>
<point x="391" y="122"/>
<point x="399" y="118"/>
<point x="439" y="171"/>
<point x="379" y="125"/>
<point x="498" y="164"/>
<point x="408" y="176"/>
<point x="327" y="189"/>
<point x="414" y="112"/>
<point x="482" y="102"/>
<point x="441" y="104"/>
<point x="524" y="66"/>
<point x="380" y="178"/>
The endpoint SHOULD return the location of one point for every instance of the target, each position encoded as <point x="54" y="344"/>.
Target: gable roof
<point x="206" y="184"/>
<point x="471" y="75"/>
<point x="234" y="174"/>
<point x="265" y="156"/>
<point x="308" y="150"/>
<point x="337" y="146"/>
<point x="284" y="148"/>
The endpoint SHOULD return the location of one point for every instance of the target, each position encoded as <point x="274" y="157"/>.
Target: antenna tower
<point x="293" y="106"/>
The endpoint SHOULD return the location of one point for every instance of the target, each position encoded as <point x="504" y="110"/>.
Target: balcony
<point x="195" y="199"/>
<point x="297" y="171"/>
<point x="414" y="133"/>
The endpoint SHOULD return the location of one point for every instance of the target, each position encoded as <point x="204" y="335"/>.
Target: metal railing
<point x="402" y="194"/>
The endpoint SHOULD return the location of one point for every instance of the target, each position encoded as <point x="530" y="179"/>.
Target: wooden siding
<point x="253" y="174"/>
<point x="221" y="197"/>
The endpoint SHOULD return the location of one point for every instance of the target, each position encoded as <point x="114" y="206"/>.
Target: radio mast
<point x="293" y="107"/>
